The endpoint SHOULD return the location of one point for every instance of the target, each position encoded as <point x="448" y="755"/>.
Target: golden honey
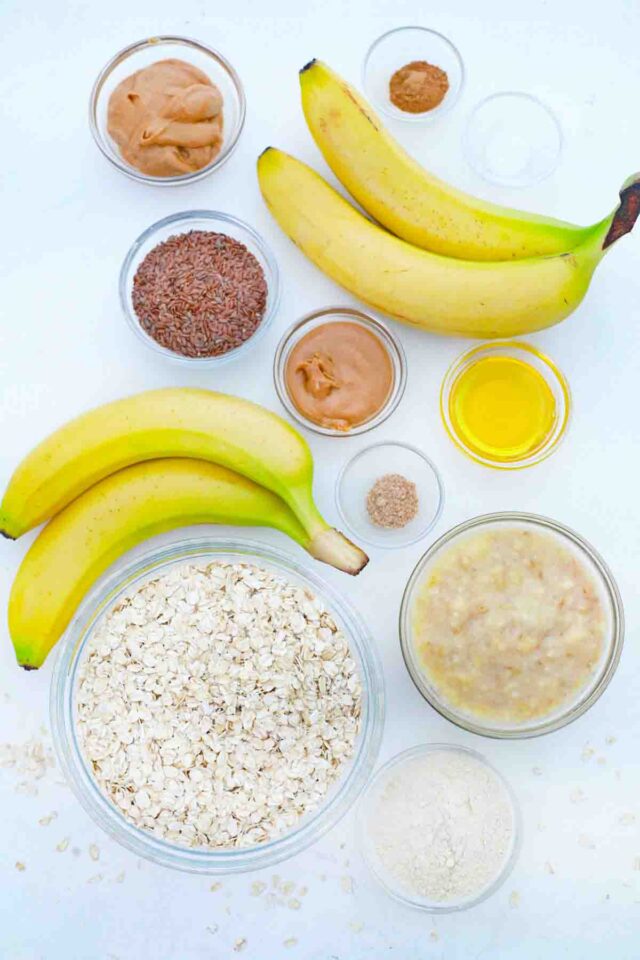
<point x="501" y="408"/>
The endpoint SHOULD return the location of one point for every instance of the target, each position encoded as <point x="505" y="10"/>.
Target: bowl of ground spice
<point x="390" y="494"/>
<point x="413" y="73"/>
<point x="199" y="287"/>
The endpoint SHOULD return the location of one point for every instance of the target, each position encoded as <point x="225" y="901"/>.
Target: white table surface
<point x="68" y="220"/>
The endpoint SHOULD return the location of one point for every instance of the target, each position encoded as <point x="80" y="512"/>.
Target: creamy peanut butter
<point x="166" y="119"/>
<point x="339" y="375"/>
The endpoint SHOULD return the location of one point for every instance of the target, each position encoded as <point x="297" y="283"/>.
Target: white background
<point x="68" y="219"/>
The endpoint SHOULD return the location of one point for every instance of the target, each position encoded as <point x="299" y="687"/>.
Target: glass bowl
<point x="211" y="220"/>
<point x="401" y="46"/>
<point x="367" y="806"/>
<point x="360" y="473"/>
<point x="585" y="698"/>
<point x="340" y="315"/>
<point x="533" y="357"/>
<point x="145" y="52"/>
<point x="513" y="139"/>
<point x="124" y="576"/>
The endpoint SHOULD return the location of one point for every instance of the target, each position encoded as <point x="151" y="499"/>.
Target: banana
<point x="173" y="422"/>
<point x="78" y="545"/>
<point x="404" y="197"/>
<point x="440" y="294"/>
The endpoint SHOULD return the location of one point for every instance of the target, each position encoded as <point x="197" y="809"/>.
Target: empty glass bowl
<point x="145" y="52"/>
<point x="513" y="139"/>
<point x="396" y="49"/>
<point x="358" y="476"/>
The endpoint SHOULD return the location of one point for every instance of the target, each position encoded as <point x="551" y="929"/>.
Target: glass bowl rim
<point x="524" y="95"/>
<point x="555" y="437"/>
<point x="443" y="107"/>
<point x="334" y="314"/>
<point x="423" y="749"/>
<point x="272" y="277"/>
<point x="615" y="637"/>
<point x="427" y="460"/>
<point x="123" y="575"/>
<point x="149" y="42"/>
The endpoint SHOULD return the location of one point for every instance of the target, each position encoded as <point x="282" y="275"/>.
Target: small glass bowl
<point x="125" y="576"/>
<point x="210" y="220"/>
<point x="540" y="362"/>
<point x="340" y="315"/>
<point x="361" y="472"/>
<point x="145" y="52"/>
<point x="585" y="698"/>
<point x="367" y="806"/>
<point x="513" y="139"/>
<point x="398" y="47"/>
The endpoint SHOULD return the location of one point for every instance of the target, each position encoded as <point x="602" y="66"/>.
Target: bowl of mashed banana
<point x="511" y="625"/>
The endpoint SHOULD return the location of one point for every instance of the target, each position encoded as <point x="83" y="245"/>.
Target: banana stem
<point x="331" y="546"/>
<point x="625" y="216"/>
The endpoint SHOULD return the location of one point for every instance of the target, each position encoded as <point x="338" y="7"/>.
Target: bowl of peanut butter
<point x="339" y="372"/>
<point x="167" y="110"/>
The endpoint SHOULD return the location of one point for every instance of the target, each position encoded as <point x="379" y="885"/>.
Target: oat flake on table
<point x="217" y="705"/>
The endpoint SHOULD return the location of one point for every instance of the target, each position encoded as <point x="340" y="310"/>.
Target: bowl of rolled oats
<point x="216" y="706"/>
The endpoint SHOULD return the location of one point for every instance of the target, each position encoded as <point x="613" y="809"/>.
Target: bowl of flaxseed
<point x="199" y="287"/>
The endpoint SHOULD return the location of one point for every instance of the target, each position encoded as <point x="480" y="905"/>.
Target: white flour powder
<point x="441" y="826"/>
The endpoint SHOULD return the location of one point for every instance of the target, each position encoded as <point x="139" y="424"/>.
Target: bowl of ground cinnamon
<point x="199" y="287"/>
<point x="413" y="73"/>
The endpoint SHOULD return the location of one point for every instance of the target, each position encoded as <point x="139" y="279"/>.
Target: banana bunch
<point x="144" y="465"/>
<point x="446" y="261"/>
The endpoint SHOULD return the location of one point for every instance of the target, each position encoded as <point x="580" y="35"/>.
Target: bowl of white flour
<point x="439" y="828"/>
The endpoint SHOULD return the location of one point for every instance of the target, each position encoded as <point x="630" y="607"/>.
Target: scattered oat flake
<point x="601" y="761"/>
<point x="62" y="846"/>
<point x="577" y="795"/>
<point x="434" y="936"/>
<point x="215" y="886"/>
<point x="94" y="851"/>
<point x="536" y="771"/>
<point x="287" y="888"/>
<point x="258" y="887"/>
<point x="290" y="942"/>
<point x="120" y="877"/>
<point x="587" y="752"/>
<point x="514" y="899"/>
<point x="356" y="925"/>
<point x="549" y="867"/>
<point x="303" y="891"/>
<point x="586" y="842"/>
<point x="346" y="884"/>
<point x="240" y="944"/>
<point x="45" y="821"/>
<point x="610" y="740"/>
<point x="213" y="928"/>
<point x="26" y="789"/>
<point x="96" y="878"/>
<point x="626" y="819"/>
<point x="20" y="866"/>
<point x="294" y="904"/>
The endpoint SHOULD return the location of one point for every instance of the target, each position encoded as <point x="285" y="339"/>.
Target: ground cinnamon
<point x="418" y="87"/>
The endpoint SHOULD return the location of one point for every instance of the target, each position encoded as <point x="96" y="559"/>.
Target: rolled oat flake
<point x="200" y="294"/>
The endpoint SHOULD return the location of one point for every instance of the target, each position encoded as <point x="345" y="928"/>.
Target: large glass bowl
<point x="124" y="577"/>
<point x="584" y="698"/>
<point x="142" y="54"/>
<point x="207" y="220"/>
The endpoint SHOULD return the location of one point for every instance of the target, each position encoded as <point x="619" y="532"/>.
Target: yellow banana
<point x="173" y="422"/>
<point x="136" y="503"/>
<point x="407" y="199"/>
<point x="440" y="294"/>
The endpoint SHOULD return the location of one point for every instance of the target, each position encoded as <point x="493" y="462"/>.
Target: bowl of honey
<point x="505" y="404"/>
